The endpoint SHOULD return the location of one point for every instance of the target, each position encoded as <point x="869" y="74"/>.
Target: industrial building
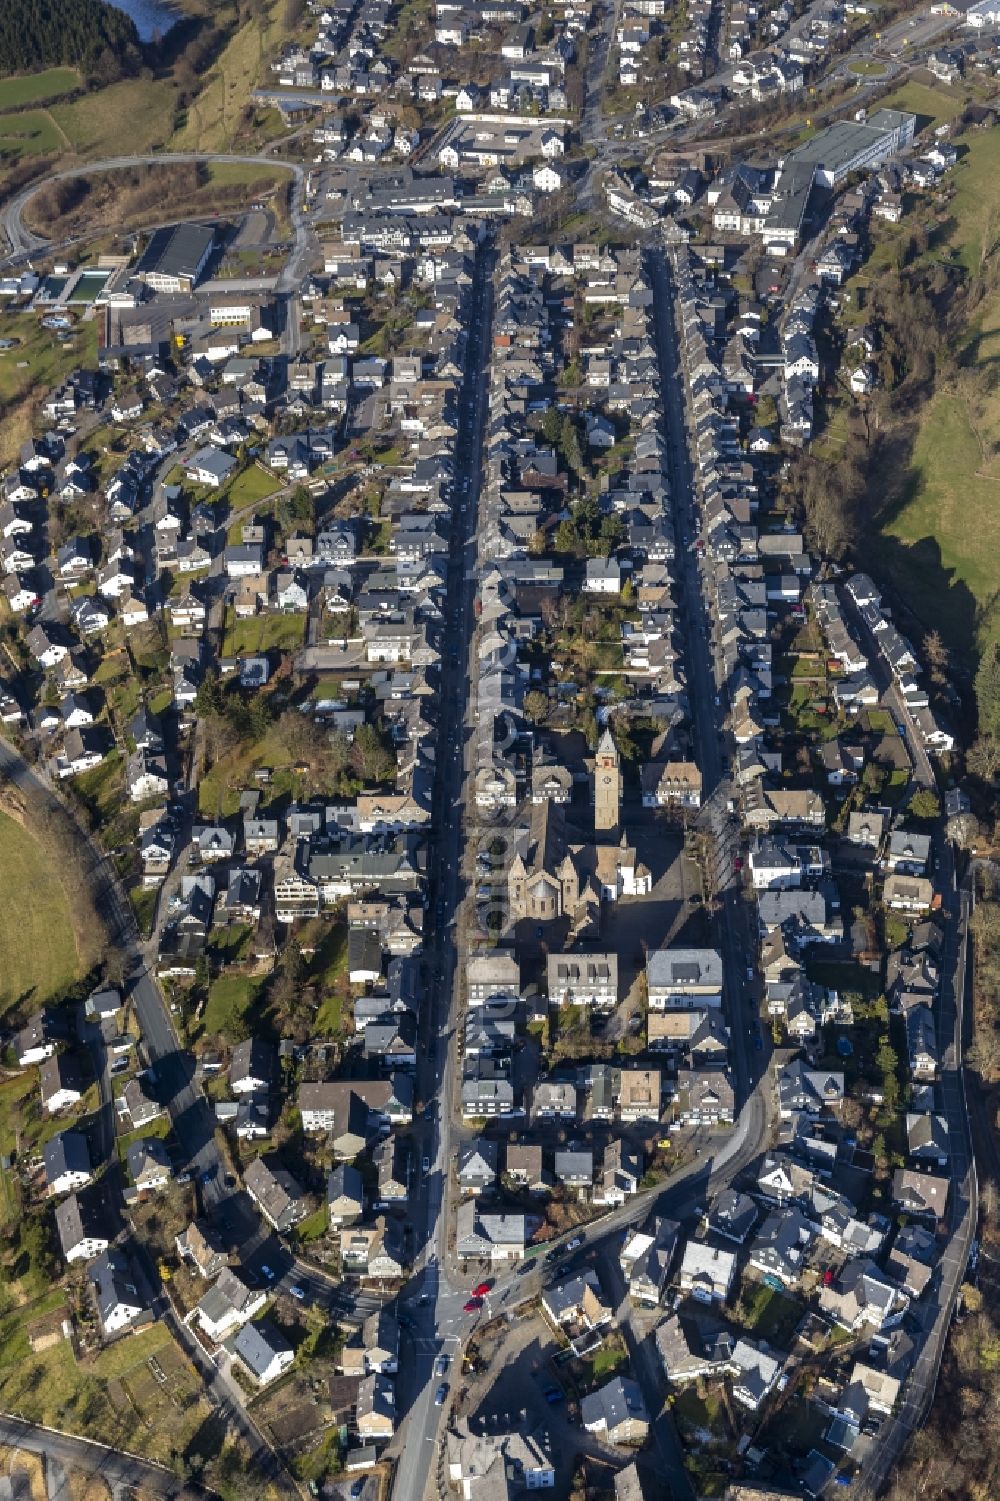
<point x="175" y="257"/>
<point x="855" y="146"/>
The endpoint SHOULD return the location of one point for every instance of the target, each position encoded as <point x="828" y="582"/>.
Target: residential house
<point x="120" y="1305"/>
<point x="477" y="1165"/>
<point x="684" y="979"/>
<point x="922" y="1194"/>
<point x="616" y="1412"/>
<point x="646" y="1258"/>
<point x="491" y="1237"/>
<point x="861" y="1296"/>
<point x="732" y="1215"/>
<point x="227" y="1305"/>
<point x="276" y="1193"/>
<point x="345" y="1195"/>
<point x="61" y="1082"/>
<point x="707" y="1272"/>
<point x="67" y="1162"/>
<point x="203" y="1247"/>
<point x="82" y="1227"/>
<point x="149" y="1164"/>
<point x="262" y="1351"/>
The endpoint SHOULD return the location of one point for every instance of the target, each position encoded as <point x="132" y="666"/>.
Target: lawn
<point x="934" y="106"/>
<point x="263" y="633"/>
<point x="40" y="359"/>
<point x="606" y="1361"/>
<point x="159" y="1129"/>
<point x="40" y="956"/>
<point x="230" y="998"/>
<point x="698" y="1414"/>
<point x="314" y="1226"/>
<point x="252" y="486"/>
<point x="771" y="1315"/>
<point x="33" y="88"/>
<point x="328" y="971"/>
<point x="115" y="1397"/>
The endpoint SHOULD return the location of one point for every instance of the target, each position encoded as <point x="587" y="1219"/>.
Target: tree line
<point x="86" y="34"/>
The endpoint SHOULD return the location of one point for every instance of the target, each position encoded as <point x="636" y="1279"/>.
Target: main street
<point x="435" y="1303"/>
<point x="439" y="1324"/>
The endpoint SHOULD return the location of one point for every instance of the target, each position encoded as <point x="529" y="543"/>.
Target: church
<point x="552" y="879"/>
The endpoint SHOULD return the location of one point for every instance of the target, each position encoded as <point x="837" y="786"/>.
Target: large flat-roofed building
<point x="176" y="257"/>
<point x="783" y="224"/>
<point x="854" y="146"/>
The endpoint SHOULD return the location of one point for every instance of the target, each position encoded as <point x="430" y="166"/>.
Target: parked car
<point x="441" y="1365"/>
<point x="441" y="1394"/>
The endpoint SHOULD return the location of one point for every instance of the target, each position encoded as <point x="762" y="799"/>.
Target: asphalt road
<point x="115" y="1466"/>
<point x="439" y="1323"/>
<point x="24" y="243"/>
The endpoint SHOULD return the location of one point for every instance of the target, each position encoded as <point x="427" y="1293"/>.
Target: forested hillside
<point x="88" y="34"/>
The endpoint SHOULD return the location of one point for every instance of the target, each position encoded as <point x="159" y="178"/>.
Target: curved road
<point x="24" y="242"/>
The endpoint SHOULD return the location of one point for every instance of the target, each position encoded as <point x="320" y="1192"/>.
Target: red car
<point x="482" y="1290"/>
<point x="473" y="1305"/>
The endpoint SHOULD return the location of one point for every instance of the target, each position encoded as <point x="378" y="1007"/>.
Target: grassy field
<point x="32" y="132"/>
<point x="139" y="112"/>
<point x="251" y="487"/>
<point x="40" y="359"/>
<point x="214" y="118"/>
<point x="949" y="526"/>
<point x="230" y="998"/>
<point x="36" y="928"/>
<point x="977" y="195"/>
<point x="115" y="1397"/>
<point x="263" y="633"/>
<point x="941" y="546"/>
<point x="14" y="1095"/>
<point x="934" y="106"/>
<point x="246" y="174"/>
<point x="34" y="88"/>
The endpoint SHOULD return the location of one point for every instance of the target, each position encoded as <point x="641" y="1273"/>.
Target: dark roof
<point x="178" y="251"/>
<point x="66" y="1153"/>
